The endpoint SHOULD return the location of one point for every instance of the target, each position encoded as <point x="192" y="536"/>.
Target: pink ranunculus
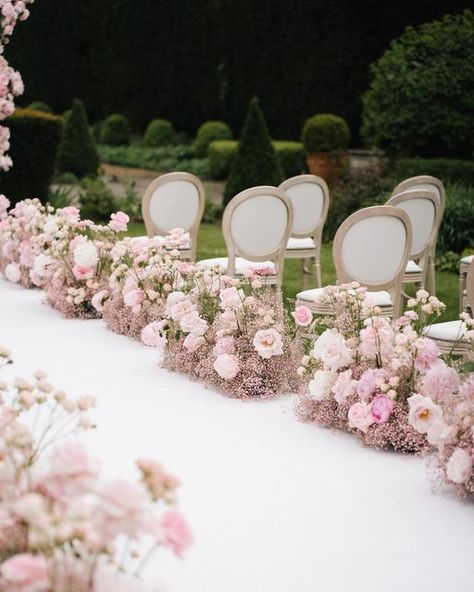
<point x="302" y="315"/>
<point x="224" y="345"/>
<point x="172" y="530"/>
<point x="193" y="342"/>
<point x="344" y="387"/>
<point x="427" y="353"/>
<point x="134" y="297"/>
<point x="268" y="343"/>
<point x="360" y="417"/>
<point x="368" y="382"/>
<point x="12" y="273"/>
<point x="381" y="408"/>
<point x="439" y="382"/>
<point x="459" y="466"/>
<point x="98" y="300"/>
<point x="423" y="413"/>
<point x="118" y="222"/>
<point x="332" y="350"/>
<point x="152" y="335"/>
<point x="227" y="366"/>
<point x="25" y="573"/>
<point x="83" y="273"/>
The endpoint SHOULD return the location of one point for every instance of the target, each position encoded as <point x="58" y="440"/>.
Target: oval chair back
<point x="174" y="200"/>
<point x="372" y="247"/>
<point x="256" y="224"/>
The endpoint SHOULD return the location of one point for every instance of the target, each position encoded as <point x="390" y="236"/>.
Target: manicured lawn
<point x="211" y="244"/>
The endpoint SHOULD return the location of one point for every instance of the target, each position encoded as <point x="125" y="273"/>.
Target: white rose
<point x="459" y="467"/>
<point x="423" y="413"/>
<point x="12" y="273"/>
<point x="86" y="255"/>
<point x="322" y="383"/>
<point x="227" y="366"/>
<point x="40" y="264"/>
<point x="331" y="349"/>
<point x="344" y="386"/>
<point x="268" y="343"/>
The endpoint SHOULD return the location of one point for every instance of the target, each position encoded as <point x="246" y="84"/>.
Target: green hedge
<point x="115" y="131"/>
<point x="326" y="133"/>
<point x="210" y="131"/>
<point x="35" y="137"/>
<point x="159" y="133"/>
<point x="221" y="155"/>
<point x="455" y="233"/>
<point x="448" y="170"/>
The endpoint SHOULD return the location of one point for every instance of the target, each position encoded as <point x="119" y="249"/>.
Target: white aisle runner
<point x="275" y="505"/>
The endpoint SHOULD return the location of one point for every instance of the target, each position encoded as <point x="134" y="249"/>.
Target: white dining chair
<point x="423" y="210"/>
<point x="174" y="200"/>
<point x="435" y="185"/>
<point x="309" y="195"/>
<point x="372" y="247"/>
<point x="256" y="225"/>
<point x="463" y="269"/>
<point x="449" y="335"/>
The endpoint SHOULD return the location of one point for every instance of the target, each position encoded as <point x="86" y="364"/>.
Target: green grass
<point x="211" y="244"/>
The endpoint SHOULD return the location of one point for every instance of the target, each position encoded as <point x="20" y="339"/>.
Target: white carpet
<point x="275" y="505"/>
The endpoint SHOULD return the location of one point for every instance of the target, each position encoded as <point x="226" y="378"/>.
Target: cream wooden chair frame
<point x="274" y="255"/>
<point x="421" y="257"/>
<point x="314" y="232"/>
<point x="427" y="183"/>
<point x="153" y="228"/>
<point x="394" y="284"/>
<point x="463" y="269"/>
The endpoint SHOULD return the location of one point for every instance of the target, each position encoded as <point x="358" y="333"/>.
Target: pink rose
<point x="118" y="222"/>
<point x="172" y="530"/>
<point x="423" y="413"/>
<point x="225" y="345"/>
<point x="134" y="297"/>
<point x="226" y="366"/>
<point x="83" y="273"/>
<point x="99" y="299"/>
<point x="231" y="298"/>
<point x="192" y="323"/>
<point x="152" y="336"/>
<point x="302" y="315"/>
<point x="382" y="408"/>
<point x="344" y="386"/>
<point x="268" y="343"/>
<point x="193" y="342"/>
<point x="360" y="417"/>
<point x="427" y="353"/>
<point x="25" y="573"/>
<point x="369" y="381"/>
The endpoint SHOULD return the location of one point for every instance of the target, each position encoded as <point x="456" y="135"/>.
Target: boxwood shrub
<point x="210" y="131"/>
<point x="446" y="169"/>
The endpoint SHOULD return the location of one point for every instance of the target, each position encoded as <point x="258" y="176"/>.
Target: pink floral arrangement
<point x="61" y="527"/>
<point x="231" y="334"/>
<point x="77" y="262"/>
<point x="143" y="273"/>
<point x="22" y="238"/>
<point x="363" y="370"/>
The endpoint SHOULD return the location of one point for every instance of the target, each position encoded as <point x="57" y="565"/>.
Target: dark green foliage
<point x="256" y="162"/>
<point x="209" y="132"/>
<point x="212" y="213"/>
<point x="159" y="132"/>
<point x="98" y="202"/>
<point x="161" y="160"/>
<point x="455" y="171"/>
<point x="421" y="100"/>
<point x="191" y="61"/>
<point x="40" y="106"/>
<point x="455" y="233"/>
<point x="326" y="133"/>
<point x="291" y="156"/>
<point x="60" y="197"/>
<point x="77" y="152"/>
<point x="34" y="141"/>
<point x="115" y="130"/>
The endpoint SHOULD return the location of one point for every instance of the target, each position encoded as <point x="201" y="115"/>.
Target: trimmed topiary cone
<point x="77" y="152"/>
<point x="256" y="162"/>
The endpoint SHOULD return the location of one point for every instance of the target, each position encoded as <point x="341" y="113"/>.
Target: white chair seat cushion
<point x="145" y="238"/>
<point x="381" y="298"/>
<point x="447" y="331"/>
<point x="300" y="243"/>
<point x="413" y="267"/>
<point x="467" y="259"/>
<point x="241" y="264"/>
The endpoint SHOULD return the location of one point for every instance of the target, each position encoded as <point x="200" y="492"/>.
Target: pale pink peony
<point x="268" y="343"/>
<point x="427" y="353"/>
<point x="360" y="416"/>
<point x="231" y="298"/>
<point x="302" y="315"/>
<point x="12" y="273"/>
<point x="381" y="408"/>
<point x="423" y="413"/>
<point x="180" y="309"/>
<point x="98" y="300"/>
<point x="118" y="222"/>
<point x="331" y="349"/>
<point x="83" y="273"/>
<point x="86" y="254"/>
<point x="224" y="345"/>
<point x="193" y="323"/>
<point x="172" y="530"/>
<point x="459" y="466"/>
<point x="322" y="383"/>
<point x="227" y="366"/>
<point x="344" y="387"/>
<point x="439" y="382"/>
<point x="25" y="573"/>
